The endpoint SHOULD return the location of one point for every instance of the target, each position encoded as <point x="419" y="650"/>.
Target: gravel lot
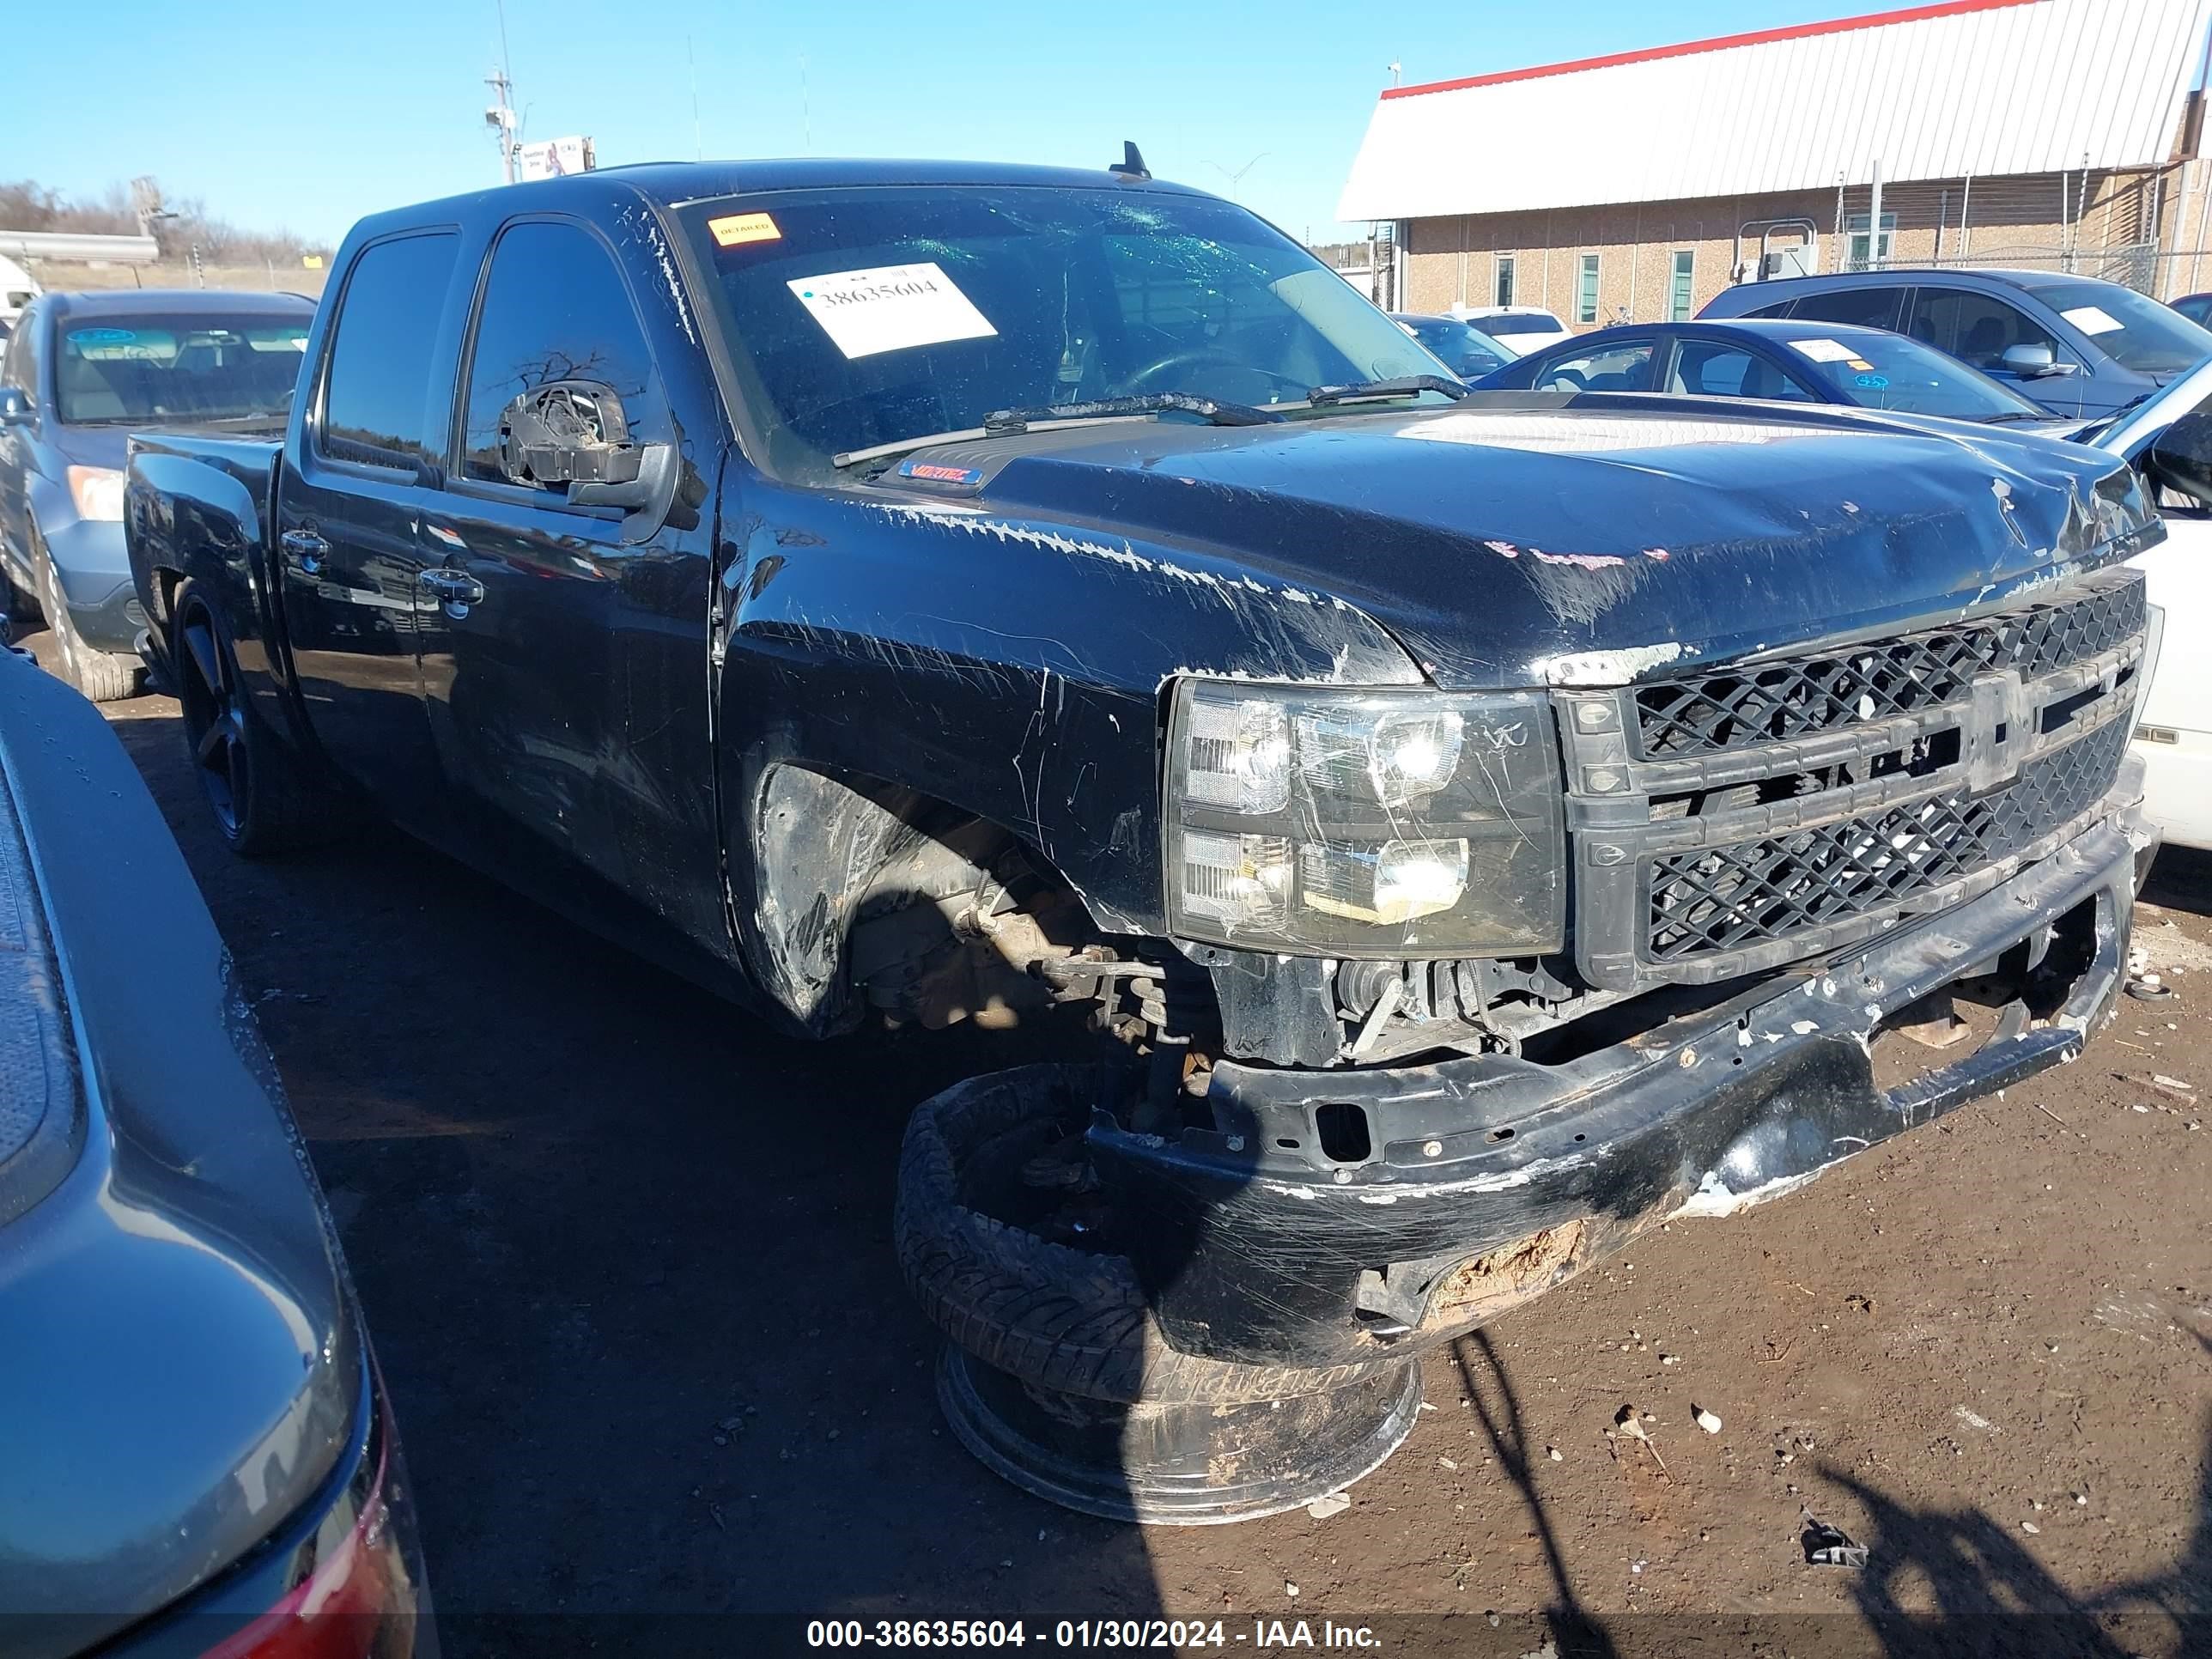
<point x="626" y="1257"/>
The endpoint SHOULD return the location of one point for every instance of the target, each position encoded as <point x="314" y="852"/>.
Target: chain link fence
<point x="2163" y="274"/>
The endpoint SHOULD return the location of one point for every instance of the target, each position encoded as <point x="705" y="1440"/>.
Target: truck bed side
<point x="202" y="509"/>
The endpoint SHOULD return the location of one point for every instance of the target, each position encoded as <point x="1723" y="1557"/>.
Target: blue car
<point x="2079" y="346"/>
<point x="83" y="371"/>
<point x="1780" y="363"/>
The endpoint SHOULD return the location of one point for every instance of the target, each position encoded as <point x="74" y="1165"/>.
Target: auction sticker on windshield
<point x="2093" y="319"/>
<point x="1825" y="351"/>
<point x="890" y="308"/>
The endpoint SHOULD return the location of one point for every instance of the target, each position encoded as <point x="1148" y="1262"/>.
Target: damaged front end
<point x="1637" y="950"/>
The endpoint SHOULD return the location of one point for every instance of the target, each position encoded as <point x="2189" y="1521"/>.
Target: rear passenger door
<point x="567" y="676"/>
<point x="351" y="501"/>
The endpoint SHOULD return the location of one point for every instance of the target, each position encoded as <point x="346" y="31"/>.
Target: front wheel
<point x="100" y="675"/>
<point x="261" y="802"/>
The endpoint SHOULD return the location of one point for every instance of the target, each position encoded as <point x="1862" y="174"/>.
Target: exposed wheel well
<point x="874" y="895"/>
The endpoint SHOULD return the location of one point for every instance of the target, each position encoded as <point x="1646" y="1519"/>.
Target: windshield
<point x="870" y="316"/>
<point x="1521" y="322"/>
<point x="124" y="369"/>
<point x="2136" y="331"/>
<point x="1460" y="347"/>
<point x="1878" y="370"/>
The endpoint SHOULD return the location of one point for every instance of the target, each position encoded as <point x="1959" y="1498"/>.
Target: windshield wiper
<point x="1013" y="422"/>
<point x="2021" y="414"/>
<point x="1401" y="385"/>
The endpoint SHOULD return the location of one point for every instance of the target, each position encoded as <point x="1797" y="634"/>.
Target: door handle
<point x="307" y="547"/>
<point x="456" y="590"/>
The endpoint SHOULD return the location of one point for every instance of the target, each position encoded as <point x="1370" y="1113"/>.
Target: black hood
<point x="1539" y="542"/>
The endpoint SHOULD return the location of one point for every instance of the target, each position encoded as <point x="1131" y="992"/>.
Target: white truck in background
<point x="2173" y="726"/>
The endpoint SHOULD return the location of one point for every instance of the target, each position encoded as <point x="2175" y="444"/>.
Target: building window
<point x="1679" y="294"/>
<point x="1503" y="295"/>
<point x="1858" y="256"/>
<point x="1586" y="291"/>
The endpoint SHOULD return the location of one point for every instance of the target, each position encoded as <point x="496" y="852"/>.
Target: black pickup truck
<point x="1486" y="825"/>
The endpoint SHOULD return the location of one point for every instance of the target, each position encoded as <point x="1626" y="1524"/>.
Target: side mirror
<point x="575" y="433"/>
<point x="2181" y="457"/>
<point x="14" y="406"/>
<point x="2033" y="362"/>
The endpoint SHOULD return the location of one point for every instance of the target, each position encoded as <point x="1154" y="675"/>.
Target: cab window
<point x="1617" y="366"/>
<point x="1864" y="308"/>
<point x="1715" y="370"/>
<point x="554" y="308"/>
<point x="1976" y="328"/>
<point x="376" y="394"/>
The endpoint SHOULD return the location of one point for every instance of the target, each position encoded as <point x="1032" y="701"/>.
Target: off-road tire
<point x="262" y="802"/>
<point x="1061" y="1318"/>
<point x="100" y="675"/>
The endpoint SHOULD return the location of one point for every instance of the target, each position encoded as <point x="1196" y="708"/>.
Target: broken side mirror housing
<point x="2181" y="459"/>
<point x="575" y="434"/>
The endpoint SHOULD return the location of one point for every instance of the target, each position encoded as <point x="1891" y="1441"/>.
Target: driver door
<point x="565" y="664"/>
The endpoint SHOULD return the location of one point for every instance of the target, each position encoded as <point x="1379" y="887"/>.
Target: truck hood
<point x="1522" y="542"/>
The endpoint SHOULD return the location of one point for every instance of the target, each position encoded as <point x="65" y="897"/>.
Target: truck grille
<point x="1732" y="896"/>
<point x="1732" y="821"/>
<point x="1843" y="687"/>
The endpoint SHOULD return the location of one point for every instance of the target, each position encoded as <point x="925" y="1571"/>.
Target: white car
<point x="2168" y="438"/>
<point x="1519" y="329"/>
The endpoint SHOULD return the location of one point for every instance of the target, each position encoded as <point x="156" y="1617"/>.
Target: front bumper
<point x="94" y="570"/>
<point x="1460" y="1188"/>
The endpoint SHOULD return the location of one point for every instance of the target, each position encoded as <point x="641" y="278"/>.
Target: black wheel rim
<point x="214" y="723"/>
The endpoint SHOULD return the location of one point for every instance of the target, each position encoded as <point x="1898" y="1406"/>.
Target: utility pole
<point x="698" y="149"/>
<point x="500" y="117"/>
<point x="1873" y="222"/>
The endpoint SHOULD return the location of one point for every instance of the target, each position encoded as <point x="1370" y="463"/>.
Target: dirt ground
<point x="626" y="1258"/>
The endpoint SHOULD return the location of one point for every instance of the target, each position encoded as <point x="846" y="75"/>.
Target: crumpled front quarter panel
<point x="1005" y="665"/>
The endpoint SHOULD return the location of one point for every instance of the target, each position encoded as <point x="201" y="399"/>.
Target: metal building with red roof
<point x="1635" y="185"/>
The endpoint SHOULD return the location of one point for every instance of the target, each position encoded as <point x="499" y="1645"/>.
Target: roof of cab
<point x="669" y="184"/>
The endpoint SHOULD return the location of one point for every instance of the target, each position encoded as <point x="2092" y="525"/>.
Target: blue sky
<point x="309" y="117"/>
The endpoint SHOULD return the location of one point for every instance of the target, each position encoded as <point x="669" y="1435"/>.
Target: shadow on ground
<point x="1956" y="1582"/>
<point x="626" y="1259"/>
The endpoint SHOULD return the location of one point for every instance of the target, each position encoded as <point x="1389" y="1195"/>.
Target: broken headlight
<point x="1365" y="823"/>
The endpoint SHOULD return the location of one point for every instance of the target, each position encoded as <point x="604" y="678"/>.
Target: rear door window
<point x="1976" y="328"/>
<point x="1617" y="365"/>
<point x="555" y="308"/>
<point x="1866" y="307"/>
<point x="376" y="396"/>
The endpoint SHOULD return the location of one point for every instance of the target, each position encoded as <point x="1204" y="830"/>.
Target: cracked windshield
<point x="867" y="317"/>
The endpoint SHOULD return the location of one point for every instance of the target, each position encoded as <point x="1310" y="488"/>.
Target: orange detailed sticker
<point x="733" y="229"/>
<point x="1861" y="365"/>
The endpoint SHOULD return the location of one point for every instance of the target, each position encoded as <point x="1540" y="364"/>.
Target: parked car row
<point x="85" y="370"/>
<point x="2078" y="346"/>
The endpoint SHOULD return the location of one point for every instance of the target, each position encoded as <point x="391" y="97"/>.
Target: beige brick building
<point x="2049" y="133"/>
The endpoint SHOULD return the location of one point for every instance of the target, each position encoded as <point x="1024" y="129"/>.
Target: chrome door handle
<point x="456" y="590"/>
<point x="307" y="547"/>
